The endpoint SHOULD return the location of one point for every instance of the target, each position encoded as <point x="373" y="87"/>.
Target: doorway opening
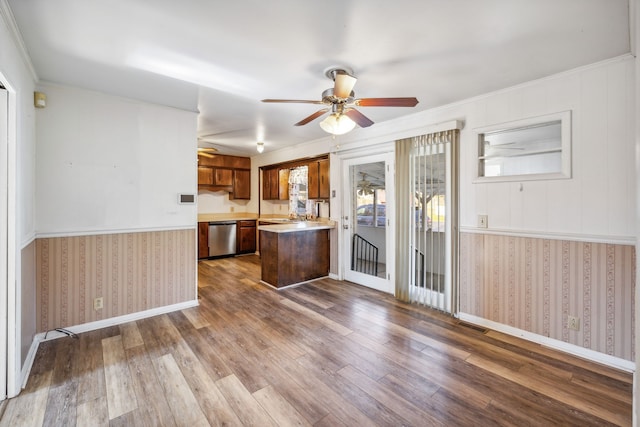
<point x="368" y="215"/>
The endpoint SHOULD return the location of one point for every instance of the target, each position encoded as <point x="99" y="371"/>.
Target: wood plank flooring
<point x="326" y="353"/>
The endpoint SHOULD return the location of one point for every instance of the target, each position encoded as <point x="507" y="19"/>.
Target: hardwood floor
<point x="327" y="353"/>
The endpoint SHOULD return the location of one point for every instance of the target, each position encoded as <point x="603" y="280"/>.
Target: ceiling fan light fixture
<point x="337" y="124"/>
<point x="260" y="146"/>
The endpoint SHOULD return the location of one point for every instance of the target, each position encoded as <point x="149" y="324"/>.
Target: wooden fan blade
<point x="296" y="101"/>
<point x="386" y="102"/>
<point x="355" y="115"/>
<point x="343" y="86"/>
<point x="312" y="117"/>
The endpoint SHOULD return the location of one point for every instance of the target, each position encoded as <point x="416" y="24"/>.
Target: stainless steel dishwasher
<point x="222" y="238"/>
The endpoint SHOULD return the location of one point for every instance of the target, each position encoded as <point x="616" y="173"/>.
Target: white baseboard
<point x="28" y="362"/>
<point x="576" y="350"/>
<point x="293" y="285"/>
<point x="113" y="321"/>
<point x="92" y="326"/>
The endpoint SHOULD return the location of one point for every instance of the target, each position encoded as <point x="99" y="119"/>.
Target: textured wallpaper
<point x="534" y="284"/>
<point x="132" y="272"/>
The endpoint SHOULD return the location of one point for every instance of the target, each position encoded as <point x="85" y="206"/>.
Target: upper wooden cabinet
<point x="224" y="161"/>
<point x="227" y="173"/>
<point x="318" y="180"/>
<point x="269" y="184"/>
<point x="215" y="176"/>
<point x="205" y="175"/>
<point x="275" y="184"/>
<point x="241" y="184"/>
<point x="283" y="184"/>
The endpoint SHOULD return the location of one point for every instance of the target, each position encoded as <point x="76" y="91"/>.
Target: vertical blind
<point x="426" y="226"/>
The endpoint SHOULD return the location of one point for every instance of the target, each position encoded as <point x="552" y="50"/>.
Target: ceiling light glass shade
<point x="337" y="124"/>
<point x="260" y="147"/>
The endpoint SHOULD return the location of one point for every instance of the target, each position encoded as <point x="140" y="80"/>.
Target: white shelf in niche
<point x="536" y="148"/>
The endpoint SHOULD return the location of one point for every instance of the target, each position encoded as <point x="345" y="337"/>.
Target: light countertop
<point x="298" y="226"/>
<point x="240" y="216"/>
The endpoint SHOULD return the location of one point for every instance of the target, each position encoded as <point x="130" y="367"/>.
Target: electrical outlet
<point x="98" y="303"/>
<point x="573" y="323"/>
<point x="231" y="209"/>
<point x="483" y="221"/>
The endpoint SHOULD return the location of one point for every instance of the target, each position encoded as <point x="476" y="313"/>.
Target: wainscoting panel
<point x="534" y="284"/>
<point x="132" y="272"/>
<point x="28" y="299"/>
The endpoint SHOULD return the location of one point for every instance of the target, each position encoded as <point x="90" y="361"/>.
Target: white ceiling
<point x="222" y="57"/>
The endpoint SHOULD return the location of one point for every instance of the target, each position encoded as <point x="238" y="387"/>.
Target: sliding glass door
<point x="430" y="225"/>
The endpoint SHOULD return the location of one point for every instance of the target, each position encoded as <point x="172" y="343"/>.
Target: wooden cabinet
<point x="241" y="184"/>
<point x="246" y="236"/>
<point x="205" y="175"/>
<point x="324" y="188"/>
<point x="283" y="184"/>
<point x="287" y="259"/>
<point x="203" y="239"/>
<point x="223" y="176"/>
<point x="313" y="177"/>
<point x="275" y="184"/>
<point x="225" y="173"/>
<point x="318" y="180"/>
<point x="208" y="175"/>
<point x="270" y="184"/>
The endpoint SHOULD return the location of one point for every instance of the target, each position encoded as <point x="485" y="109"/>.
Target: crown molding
<point x="12" y="26"/>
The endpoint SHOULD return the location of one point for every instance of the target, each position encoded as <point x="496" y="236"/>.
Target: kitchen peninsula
<point x="293" y="253"/>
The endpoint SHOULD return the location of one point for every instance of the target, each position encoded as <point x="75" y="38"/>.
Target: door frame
<point x="4" y="241"/>
<point x="5" y="249"/>
<point x="10" y="372"/>
<point x="382" y="284"/>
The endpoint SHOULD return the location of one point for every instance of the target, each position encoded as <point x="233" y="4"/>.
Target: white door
<point x="3" y="240"/>
<point x="368" y="221"/>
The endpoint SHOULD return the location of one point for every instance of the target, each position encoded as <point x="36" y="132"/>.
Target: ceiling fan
<point x="364" y="187"/>
<point x="340" y="100"/>
<point x="205" y="151"/>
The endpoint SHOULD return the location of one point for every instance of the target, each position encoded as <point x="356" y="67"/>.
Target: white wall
<point x="597" y="202"/>
<point x="20" y="81"/>
<point x="112" y="164"/>
<point x="599" y="199"/>
<point x="218" y="202"/>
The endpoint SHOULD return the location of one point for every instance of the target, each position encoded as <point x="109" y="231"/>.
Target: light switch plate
<point x="483" y="221"/>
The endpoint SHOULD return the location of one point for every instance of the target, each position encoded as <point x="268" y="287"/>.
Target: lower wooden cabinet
<point x="203" y="239"/>
<point x="246" y="237"/>
<point x="246" y="240"/>
<point x="294" y="257"/>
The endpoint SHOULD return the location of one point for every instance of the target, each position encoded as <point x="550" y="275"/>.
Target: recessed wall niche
<point x="528" y="149"/>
